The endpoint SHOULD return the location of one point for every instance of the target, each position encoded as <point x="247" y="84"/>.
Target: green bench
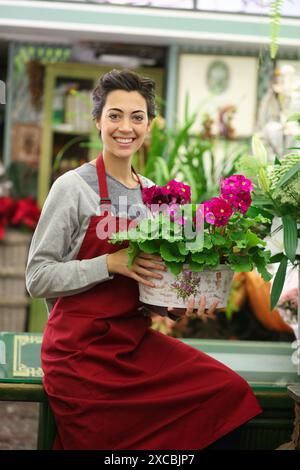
<point x="267" y="367"/>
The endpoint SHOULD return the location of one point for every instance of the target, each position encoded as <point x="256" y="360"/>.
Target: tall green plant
<point x="178" y="154"/>
<point x="277" y="192"/>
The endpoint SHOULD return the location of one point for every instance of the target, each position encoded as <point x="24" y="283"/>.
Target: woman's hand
<point x="141" y="268"/>
<point x="191" y="312"/>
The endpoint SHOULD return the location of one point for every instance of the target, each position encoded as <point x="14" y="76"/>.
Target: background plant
<point x="196" y="160"/>
<point x="276" y="194"/>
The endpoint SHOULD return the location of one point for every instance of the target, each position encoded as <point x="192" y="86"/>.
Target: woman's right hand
<point x="141" y="268"/>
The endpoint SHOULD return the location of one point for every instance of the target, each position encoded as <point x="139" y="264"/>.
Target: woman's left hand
<point x="193" y="312"/>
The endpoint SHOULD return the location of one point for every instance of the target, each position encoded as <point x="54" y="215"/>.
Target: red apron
<point x="114" y="383"/>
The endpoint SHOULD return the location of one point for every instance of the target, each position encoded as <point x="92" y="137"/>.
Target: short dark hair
<point x="123" y="80"/>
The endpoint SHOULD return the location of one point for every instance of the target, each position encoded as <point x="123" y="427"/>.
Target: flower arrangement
<point x="20" y="213"/>
<point x="206" y="238"/>
<point x="276" y="193"/>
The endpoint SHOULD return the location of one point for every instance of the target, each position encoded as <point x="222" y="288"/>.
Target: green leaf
<point x="253" y="239"/>
<point x="276" y="258"/>
<point x="209" y="259"/>
<point x="163" y="168"/>
<point x="288" y="175"/>
<point x="196" y="267"/>
<point x="182" y="248"/>
<point x="133" y="251"/>
<point x="149" y="246"/>
<point x="294" y="117"/>
<point x="218" y="239"/>
<point x="207" y="241"/>
<point x="290" y="238"/>
<point x="260" y="263"/>
<point x="170" y="252"/>
<point x="259" y="151"/>
<point x="248" y="166"/>
<point x="278" y="282"/>
<point x="175" y="268"/>
<point x="240" y="263"/>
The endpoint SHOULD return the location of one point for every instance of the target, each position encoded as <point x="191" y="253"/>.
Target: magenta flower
<point x="172" y="193"/>
<point x="217" y="211"/>
<point x="179" y="193"/>
<point x="236" y="190"/>
<point x="240" y="201"/>
<point x="154" y="195"/>
<point x="235" y="184"/>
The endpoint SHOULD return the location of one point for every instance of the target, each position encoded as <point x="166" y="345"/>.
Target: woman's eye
<point x="114" y="116"/>
<point x="139" y="118"/>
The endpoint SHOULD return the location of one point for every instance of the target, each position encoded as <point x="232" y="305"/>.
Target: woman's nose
<point x="125" y="125"/>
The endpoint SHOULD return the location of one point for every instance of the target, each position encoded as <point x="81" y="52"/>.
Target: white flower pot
<point x="174" y="291"/>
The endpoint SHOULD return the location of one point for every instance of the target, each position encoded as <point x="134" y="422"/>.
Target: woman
<point x="112" y="381"/>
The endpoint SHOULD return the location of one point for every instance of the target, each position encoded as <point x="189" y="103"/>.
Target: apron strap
<point x="103" y="191"/>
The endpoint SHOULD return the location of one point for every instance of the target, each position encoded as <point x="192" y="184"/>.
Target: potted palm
<point x="202" y="245"/>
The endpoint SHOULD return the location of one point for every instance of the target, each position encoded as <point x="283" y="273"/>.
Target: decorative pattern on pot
<point x="176" y="290"/>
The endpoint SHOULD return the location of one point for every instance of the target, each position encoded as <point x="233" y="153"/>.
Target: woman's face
<point x="123" y="123"/>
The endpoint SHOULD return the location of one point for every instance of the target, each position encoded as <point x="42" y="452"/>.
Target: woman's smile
<point x="124" y="141"/>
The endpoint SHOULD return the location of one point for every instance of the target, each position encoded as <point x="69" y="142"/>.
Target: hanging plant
<point x="275" y="17"/>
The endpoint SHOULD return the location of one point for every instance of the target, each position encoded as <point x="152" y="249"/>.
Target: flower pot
<point x="174" y="291"/>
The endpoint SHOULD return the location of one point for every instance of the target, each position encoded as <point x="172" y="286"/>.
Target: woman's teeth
<point x="124" y="141"/>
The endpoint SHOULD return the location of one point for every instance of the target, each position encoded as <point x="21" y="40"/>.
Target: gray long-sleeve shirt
<point x="52" y="269"/>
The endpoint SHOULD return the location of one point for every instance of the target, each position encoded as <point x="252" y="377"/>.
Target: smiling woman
<point x="112" y="381"/>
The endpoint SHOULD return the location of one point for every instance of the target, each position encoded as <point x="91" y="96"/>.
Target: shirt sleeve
<point x="47" y="272"/>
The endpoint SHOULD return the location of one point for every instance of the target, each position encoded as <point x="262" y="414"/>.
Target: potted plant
<point x="202" y="245"/>
<point x="277" y="193"/>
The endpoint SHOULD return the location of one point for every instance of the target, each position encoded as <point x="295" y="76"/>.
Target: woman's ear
<point x="149" y="125"/>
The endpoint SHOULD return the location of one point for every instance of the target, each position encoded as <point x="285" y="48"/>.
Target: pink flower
<point x="217" y="211"/>
<point x="236" y="190"/>
<point x="240" y="200"/>
<point x="154" y="195"/>
<point x="179" y="193"/>
<point x="172" y="193"/>
<point x="236" y="183"/>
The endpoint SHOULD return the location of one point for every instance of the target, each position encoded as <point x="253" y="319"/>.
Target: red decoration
<point x="18" y="213"/>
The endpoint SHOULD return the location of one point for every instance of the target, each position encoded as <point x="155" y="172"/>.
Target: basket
<point x="174" y="291"/>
